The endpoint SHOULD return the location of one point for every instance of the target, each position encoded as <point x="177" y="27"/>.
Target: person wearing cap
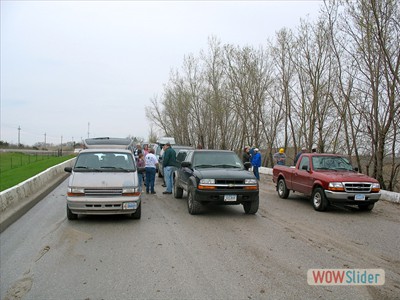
<point x="169" y="164"/>
<point x="256" y="162"/>
<point x="280" y="157"/>
<point x="303" y="150"/>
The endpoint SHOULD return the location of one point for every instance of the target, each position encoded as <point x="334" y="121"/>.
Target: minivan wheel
<point x="71" y="215"/>
<point x="138" y="213"/>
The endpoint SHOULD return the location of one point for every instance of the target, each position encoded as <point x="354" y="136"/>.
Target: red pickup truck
<point x="328" y="179"/>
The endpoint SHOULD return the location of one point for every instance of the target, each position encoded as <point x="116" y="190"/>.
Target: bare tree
<point x="372" y="27"/>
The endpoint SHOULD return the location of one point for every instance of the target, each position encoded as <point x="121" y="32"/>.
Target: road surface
<point x="221" y="254"/>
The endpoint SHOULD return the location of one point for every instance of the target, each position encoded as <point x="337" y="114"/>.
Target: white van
<point x="104" y="181"/>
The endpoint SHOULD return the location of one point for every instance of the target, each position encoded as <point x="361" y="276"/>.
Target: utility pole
<point x="19" y="135"/>
<point x="45" y="140"/>
<point x="88" y="127"/>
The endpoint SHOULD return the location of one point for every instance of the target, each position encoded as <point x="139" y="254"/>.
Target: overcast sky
<point x="65" y="64"/>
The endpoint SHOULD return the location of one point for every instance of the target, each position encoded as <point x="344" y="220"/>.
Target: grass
<point x="17" y="167"/>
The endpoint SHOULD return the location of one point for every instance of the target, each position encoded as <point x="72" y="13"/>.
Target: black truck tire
<point x="194" y="206"/>
<point x="178" y="191"/>
<point x="251" y="208"/>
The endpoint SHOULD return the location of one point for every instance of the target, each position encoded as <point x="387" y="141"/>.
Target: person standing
<point x="280" y="157"/>
<point x="141" y="165"/>
<point x="151" y="165"/>
<point x="146" y="150"/>
<point x="169" y="163"/>
<point x="256" y="162"/>
<point x="303" y="150"/>
<point x="137" y="151"/>
<point x="246" y="154"/>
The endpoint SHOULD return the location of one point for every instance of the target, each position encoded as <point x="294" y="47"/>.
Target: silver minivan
<point x="103" y="182"/>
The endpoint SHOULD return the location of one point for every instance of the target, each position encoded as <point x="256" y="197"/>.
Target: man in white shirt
<point x="151" y="166"/>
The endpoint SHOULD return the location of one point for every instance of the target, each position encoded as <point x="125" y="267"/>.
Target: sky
<point x="77" y="69"/>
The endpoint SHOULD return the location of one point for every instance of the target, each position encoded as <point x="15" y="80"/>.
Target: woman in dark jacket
<point x="246" y="154"/>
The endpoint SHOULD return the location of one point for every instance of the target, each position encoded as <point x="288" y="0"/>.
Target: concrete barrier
<point x="385" y="195"/>
<point x="16" y="201"/>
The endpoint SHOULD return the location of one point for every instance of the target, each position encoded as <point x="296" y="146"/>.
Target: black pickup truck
<point x="215" y="176"/>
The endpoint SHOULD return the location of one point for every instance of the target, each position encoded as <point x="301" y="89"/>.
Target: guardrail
<point x="16" y="201"/>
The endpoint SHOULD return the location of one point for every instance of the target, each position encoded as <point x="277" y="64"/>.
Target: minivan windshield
<point x="104" y="162"/>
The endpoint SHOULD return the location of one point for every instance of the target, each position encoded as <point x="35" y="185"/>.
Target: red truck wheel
<point x="319" y="201"/>
<point x="283" y="192"/>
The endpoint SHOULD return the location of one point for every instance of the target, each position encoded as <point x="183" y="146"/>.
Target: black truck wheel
<point x="178" y="191"/>
<point x="251" y="207"/>
<point x="194" y="206"/>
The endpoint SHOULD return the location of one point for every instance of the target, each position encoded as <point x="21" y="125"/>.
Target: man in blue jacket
<point x="256" y="162"/>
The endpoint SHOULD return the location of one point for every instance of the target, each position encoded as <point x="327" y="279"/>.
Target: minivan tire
<point x="71" y="215"/>
<point x="138" y="213"/>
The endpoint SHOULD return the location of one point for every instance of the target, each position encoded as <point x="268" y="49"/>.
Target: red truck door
<point x="302" y="180"/>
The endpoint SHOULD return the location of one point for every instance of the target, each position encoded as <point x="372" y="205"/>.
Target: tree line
<point x="332" y="84"/>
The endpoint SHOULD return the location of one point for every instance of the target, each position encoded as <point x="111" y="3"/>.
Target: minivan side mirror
<point x="68" y="169"/>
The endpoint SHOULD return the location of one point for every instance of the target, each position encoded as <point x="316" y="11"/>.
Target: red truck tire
<point x="283" y="191"/>
<point x="319" y="201"/>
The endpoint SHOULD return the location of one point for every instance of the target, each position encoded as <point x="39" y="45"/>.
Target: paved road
<point x="222" y="254"/>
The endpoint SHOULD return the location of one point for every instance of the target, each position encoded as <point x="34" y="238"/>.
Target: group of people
<point x="147" y="163"/>
<point x="253" y="156"/>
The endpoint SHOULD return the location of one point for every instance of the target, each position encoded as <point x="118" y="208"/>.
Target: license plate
<point x="359" y="197"/>
<point x="229" y="198"/>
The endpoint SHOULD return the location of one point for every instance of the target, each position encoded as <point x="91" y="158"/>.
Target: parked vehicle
<point x="177" y="148"/>
<point x="215" y="176"/>
<point x="160" y="143"/>
<point x="328" y="179"/>
<point x="109" y="142"/>
<point x="103" y="182"/>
